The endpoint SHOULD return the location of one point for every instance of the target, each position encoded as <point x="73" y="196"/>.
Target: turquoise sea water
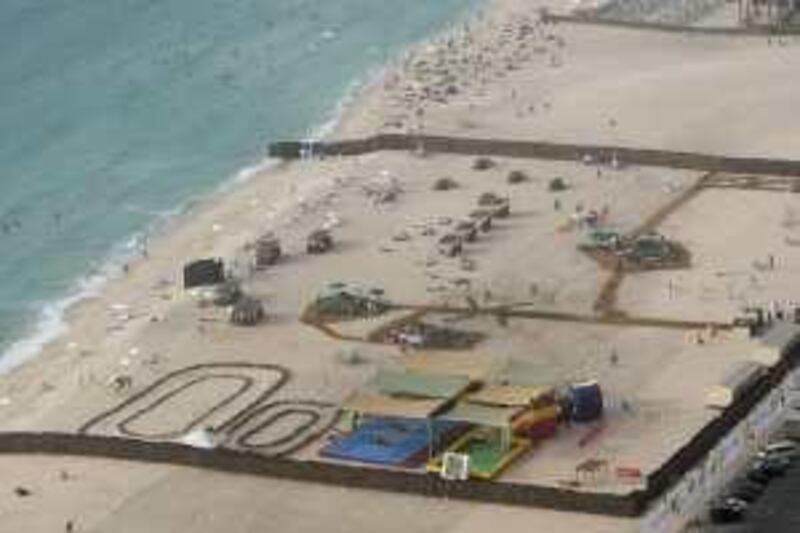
<point x="114" y="113"/>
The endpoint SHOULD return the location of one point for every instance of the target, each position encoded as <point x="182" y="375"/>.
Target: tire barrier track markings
<point x="238" y="430"/>
<point x="124" y="426"/>
<point x="278" y="377"/>
<point x="297" y="439"/>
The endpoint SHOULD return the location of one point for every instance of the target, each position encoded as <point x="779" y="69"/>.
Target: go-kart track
<point x="236" y="409"/>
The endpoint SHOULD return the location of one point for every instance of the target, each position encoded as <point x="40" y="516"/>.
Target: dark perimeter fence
<point x="537" y="150"/>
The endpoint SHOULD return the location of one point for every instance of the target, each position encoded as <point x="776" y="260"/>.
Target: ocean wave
<point x="51" y="323"/>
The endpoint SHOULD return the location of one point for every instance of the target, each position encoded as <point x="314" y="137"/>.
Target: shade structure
<point x="480" y="415"/>
<point x="472" y="366"/>
<point x="374" y="404"/>
<point x="418" y="384"/>
<point x="508" y="395"/>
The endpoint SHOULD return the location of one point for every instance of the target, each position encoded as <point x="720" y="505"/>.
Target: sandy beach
<point x="503" y="74"/>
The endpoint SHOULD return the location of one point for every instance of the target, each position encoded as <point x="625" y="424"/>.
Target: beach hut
<point x="517" y="176"/>
<point x="227" y="293"/>
<point x="483" y="218"/>
<point x="500" y="205"/>
<point x="450" y="245"/>
<point x="444" y="184"/>
<point x="603" y="239"/>
<point x="319" y="241"/>
<point x="467" y="230"/>
<point x="247" y="311"/>
<point x="267" y="250"/>
<point x="203" y="272"/>
<point x="650" y="247"/>
<point x="342" y="301"/>
<point x="483" y="163"/>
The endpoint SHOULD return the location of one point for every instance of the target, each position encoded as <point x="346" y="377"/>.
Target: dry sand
<point x="570" y="83"/>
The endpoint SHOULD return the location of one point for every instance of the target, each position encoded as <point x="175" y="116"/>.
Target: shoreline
<point x="52" y="320"/>
<point x="573" y="87"/>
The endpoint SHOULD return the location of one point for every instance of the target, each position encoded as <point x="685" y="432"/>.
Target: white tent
<point x="200" y="438"/>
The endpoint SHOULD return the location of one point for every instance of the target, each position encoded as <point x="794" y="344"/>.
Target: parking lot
<point x="775" y="511"/>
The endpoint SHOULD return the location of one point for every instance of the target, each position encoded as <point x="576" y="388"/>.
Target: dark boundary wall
<point x="631" y="505"/>
<point x="230" y="461"/>
<point x="703" y="442"/>
<point x="539" y="150"/>
<point x="601" y="20"/>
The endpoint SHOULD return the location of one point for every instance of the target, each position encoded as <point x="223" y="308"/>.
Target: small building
<point x="603" y="239"/>
<point x="319" y="241"/>
<point x="267" y="251"/>
<point x="203" y="272"/>
<point x="450" y="245"/>
<point x="501" y="206"/>
<point x="342" y="301"/>
<point x="650" y="247"/>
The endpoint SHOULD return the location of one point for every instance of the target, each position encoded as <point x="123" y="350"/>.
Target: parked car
<point x="319" y="241"/>
<point x="785" y="448"/>
<point x="728" y="511"/>
<point x="450" y="245"/>
<point x="772" y="466"/>
<point x="745" y="490"/>
<point x="758" y="476"/>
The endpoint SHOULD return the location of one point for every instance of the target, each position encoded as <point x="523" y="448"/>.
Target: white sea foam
<point x="50" y="322"/>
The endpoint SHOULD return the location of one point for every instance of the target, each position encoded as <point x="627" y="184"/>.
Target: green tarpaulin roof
<point x="482" y="415"/>
<point x="414" y="384"/>
<point x="372" y="404"/>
